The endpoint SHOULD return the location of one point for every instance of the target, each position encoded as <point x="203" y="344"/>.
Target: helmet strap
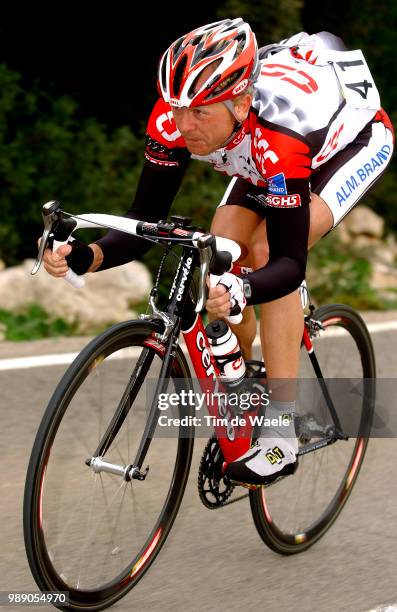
<point x="230" y="107"/>
<point x="237" y="125"/>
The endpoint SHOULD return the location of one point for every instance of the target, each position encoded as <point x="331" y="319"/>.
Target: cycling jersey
<point x="309" y="103"/>
<point x="301" y="117"/>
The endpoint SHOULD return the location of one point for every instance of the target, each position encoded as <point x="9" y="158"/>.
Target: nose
<point x="184" y="120"/>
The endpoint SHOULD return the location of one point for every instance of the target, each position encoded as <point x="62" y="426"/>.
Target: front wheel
<point x="95" y="534"/>
<point x="294" y="513"/>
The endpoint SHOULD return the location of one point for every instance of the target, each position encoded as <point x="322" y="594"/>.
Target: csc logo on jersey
<point x="165" y="124"/>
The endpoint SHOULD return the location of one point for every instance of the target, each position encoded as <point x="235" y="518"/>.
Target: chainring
<point x="214" y="488"/>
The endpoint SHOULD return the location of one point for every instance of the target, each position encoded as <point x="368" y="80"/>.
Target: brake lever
<point x="204" y="244"/>
<point x="50" y="216"/>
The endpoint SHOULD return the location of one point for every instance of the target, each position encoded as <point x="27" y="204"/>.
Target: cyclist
<point x="299" y="127"/>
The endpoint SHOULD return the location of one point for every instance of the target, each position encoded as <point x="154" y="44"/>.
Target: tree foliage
<point x="50" y="149"/>
<point x="47" y="153"/>
<point x="271" y="21"/>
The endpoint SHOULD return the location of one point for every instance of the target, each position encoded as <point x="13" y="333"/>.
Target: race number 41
<point x="356" y="80"/>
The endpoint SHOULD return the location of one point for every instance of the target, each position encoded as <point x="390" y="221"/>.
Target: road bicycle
<point x="103" y="489"/>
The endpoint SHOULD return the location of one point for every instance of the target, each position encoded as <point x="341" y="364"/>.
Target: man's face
<point x="204" y="128"/>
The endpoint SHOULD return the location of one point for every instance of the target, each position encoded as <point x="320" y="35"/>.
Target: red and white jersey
<point x="309" y="103"/>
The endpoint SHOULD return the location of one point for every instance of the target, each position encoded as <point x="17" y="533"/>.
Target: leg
<point x="281" y="321"/>
<point x="275" y="453"/>
<point x="321" y="219"/>
<point x="238" y="223"/>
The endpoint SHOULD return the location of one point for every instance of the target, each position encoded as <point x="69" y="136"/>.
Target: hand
<point x="227" y="295"/>
<point x="75" y="255"/>
<point x="55" y="262"/>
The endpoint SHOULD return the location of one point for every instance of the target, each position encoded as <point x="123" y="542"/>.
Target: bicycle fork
<point x="134" y="470"/>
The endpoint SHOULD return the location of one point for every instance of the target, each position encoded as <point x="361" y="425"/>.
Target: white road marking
<point x="387" y="608"/>
<point x="41" y="361"/>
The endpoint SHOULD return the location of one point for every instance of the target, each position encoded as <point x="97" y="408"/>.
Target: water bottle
<point x="227" y="353"/>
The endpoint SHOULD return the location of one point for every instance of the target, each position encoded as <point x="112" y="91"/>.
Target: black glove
<point x="80" y="257"/>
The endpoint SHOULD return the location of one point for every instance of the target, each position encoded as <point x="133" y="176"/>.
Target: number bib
<point x="355" y="79"/>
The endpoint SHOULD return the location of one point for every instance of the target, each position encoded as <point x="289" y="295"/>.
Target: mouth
<point x="193" y="140"/>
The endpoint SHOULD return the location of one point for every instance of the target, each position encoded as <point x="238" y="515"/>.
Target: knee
<point x="259" y="252"/>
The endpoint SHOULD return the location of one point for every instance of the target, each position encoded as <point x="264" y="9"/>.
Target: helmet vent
<point x="241" y="41"/>
<point x="177" y="49"/>
<point x="163" y="73"/>
<point x="178" y="78"/>
<point x="229" y="28"/>
<point x="196" y="41"/>
<point x="193" y="89"/>
<point x="228" y="82"/>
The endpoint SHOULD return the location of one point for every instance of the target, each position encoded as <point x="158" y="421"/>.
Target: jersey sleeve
<point x="165" y="146"/>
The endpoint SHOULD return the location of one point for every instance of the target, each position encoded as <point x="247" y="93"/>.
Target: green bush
<point x="47" y="153"/>
<point x="33" y="323"/>
<point x="337" y="272"/>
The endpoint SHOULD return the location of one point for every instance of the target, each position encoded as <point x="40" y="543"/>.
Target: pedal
<point x="255" y="369"/>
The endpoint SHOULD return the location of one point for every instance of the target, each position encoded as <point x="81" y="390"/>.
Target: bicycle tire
<point x="271" y="506"/>
<point x="44" y="503"/>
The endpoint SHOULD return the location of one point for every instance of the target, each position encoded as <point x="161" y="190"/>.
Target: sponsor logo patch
<point x="362" y="174"/>
<point x="175" y="102"/>
<point x="275" y="455"/>
<point x="240" y="87"/>
<point x="166" y="125"/>
<point x="160" y="162"/>
<point x="240" y="136"/>
<point x="284" y="201"/>
<point x="276" y="184"/>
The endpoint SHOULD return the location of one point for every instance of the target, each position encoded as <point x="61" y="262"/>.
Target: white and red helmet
<point x="228" y="45"/>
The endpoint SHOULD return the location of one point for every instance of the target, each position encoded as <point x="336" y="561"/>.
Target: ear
<point x="242" y="105"/>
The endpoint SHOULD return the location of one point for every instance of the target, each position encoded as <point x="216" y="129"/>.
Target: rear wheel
<point x="295" y="512"/>
<point x="95" y="534"/>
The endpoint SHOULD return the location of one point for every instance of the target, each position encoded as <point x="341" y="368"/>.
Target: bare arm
<point x="98" y="257"/>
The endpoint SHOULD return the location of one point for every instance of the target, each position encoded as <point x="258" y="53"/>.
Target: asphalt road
<point x="215" y="560"/>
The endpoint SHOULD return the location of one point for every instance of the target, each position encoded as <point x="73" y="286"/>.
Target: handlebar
<point x="57" y="231"/>
<point x="216" y="253"/>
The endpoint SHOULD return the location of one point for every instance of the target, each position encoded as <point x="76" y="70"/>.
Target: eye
<point x="199" y="113"/>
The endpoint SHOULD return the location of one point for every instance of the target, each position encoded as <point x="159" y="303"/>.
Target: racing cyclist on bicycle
<point x="299" y="127"/>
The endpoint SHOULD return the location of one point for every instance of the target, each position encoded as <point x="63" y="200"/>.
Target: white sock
<point x="283" y="413"/>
